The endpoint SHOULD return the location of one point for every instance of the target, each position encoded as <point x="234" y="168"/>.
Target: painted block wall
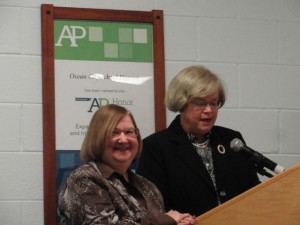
<point x="252" y="44"/>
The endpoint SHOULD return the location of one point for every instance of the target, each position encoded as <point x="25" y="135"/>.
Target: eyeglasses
<point x="130" y="132"/>
<point x="201" y="105"/>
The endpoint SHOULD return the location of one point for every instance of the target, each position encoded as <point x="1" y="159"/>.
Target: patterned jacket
<point x="96" y="195"/>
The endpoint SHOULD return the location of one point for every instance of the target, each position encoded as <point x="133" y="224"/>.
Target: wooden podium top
<point x="275" y="202"/>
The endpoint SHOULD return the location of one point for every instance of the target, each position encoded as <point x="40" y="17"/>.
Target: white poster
<point x="81" y="87"/>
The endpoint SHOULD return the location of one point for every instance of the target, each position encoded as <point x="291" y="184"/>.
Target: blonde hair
<point x="193" y="82"/>
<point x="100" y="131"/>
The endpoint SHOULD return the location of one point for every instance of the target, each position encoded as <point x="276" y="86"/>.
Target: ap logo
<point x="72" y="33"/>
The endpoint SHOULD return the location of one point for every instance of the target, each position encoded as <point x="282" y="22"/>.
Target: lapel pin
<point x="221" y="149"/>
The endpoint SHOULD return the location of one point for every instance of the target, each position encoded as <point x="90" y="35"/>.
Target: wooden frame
<point x="48" y="14"/>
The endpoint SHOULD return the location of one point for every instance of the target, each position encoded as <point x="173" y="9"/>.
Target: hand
<point x="182" y="218"/>
<point x="188" y="220"/>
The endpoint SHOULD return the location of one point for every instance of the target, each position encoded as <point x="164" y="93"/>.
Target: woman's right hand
<point x="182" y="218"/>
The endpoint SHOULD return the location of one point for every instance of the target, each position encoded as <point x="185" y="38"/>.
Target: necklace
<point x="201" y="144"/>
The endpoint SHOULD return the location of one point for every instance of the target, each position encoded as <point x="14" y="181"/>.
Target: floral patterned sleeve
<point x="82" y="201"/>
<point x="86" y="199"/>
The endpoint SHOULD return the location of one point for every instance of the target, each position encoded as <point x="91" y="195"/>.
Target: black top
<point x="170" y="161"/>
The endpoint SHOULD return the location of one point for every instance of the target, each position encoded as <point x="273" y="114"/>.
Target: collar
<point x="105" y="170"/>
<point x="194" y="138"/>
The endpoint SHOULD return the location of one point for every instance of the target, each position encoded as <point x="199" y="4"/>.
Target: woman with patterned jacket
<point x="105" y="190"/>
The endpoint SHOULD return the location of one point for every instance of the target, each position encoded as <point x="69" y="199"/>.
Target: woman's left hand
<point x="188" y="220"/>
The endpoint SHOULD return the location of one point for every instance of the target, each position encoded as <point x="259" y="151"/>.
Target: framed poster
<point x="90" y="58"/>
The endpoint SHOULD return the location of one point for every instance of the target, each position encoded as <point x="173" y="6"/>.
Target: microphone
<point x="237" y="145"/>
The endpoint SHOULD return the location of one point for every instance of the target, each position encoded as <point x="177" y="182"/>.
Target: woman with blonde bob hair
<point x="104" y="190"/>
<point x="191" y="161"/>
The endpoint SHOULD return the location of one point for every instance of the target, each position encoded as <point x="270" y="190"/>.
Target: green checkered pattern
<point x="103" y="41"/>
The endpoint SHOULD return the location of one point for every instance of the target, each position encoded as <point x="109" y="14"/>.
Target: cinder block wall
<point x="252" y="44"/>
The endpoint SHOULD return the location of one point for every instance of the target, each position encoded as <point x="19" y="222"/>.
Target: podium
<point x="273" y="202"/>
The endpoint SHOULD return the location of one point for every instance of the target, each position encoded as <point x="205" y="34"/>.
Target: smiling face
<point x="200" y="114"/>
<point x="123" y="146"/>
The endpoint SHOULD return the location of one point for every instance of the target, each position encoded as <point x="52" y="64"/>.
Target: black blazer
<point x="170" y="161"/>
